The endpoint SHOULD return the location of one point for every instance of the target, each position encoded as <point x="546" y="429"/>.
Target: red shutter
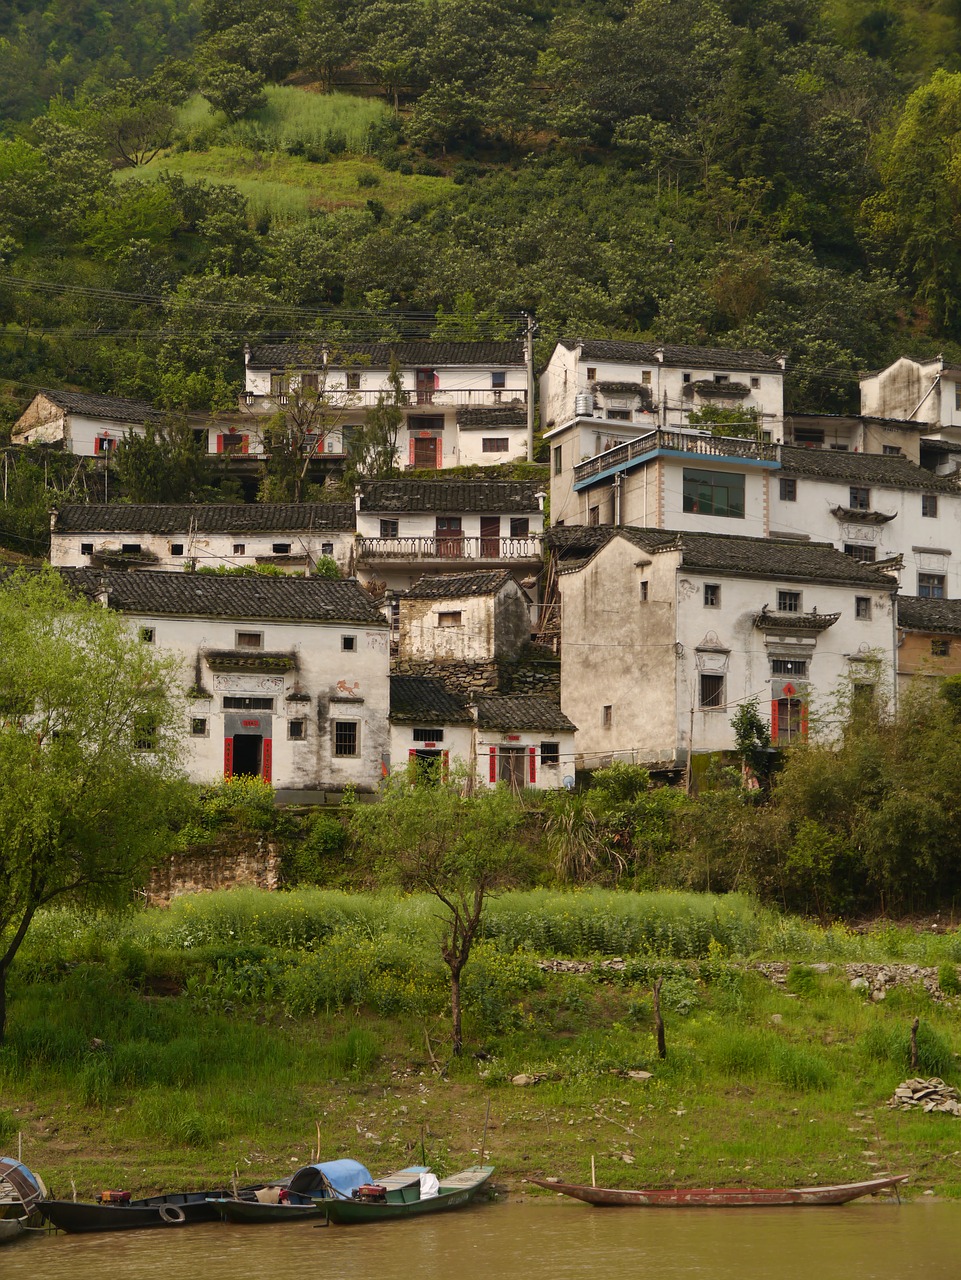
<point x="245" y="444"/>
<point x="412" y="451"/>
<point x="774" y="722"/>
<point x="96" y="444"/>
<point x="267" y="759"/>
<point x="228" y="757"/>
<point x="532" y="775"/>
<point x="804" y="719"/>
<point x="493" y="772"/>
<point x="440" y="452"/>
<point x="411" y="753"/>
<point x="220" y="443"/>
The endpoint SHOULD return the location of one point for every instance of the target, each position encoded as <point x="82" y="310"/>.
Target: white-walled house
<point x="524" y="740"/>
<point x="286" y="678"/>
<point x="90" y="426"/>
<point x="602" y="385"/>
<point x="291" y="536"/>
<point x="466" y="618"/>
<point x="923" y="391"/>
<point x="431" y="727"/>
<point x="408" y="527"/>
<point x="665" y="634"/>
<point x="441" y="380"/>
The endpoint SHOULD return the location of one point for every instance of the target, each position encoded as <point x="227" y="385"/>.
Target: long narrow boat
<point x="179" y="1209"/>
<point x="723" y="1197"/>
<point x="298" y="1198"/>
<point x="10" y="1228"/>
<point x="399" y="1195"/>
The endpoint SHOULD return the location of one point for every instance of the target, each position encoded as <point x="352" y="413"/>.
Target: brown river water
<point x="539" y="1240"/>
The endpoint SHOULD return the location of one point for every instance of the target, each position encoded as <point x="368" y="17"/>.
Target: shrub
<point x="803" y="981"/>
<point x="367" y="178"/>
<point x="312" y="859"/>
<point x="948" y="979"/>
<point x="9" y="1125"/>
<point x="493" y="984"/>
<point x="893" y="1045"/>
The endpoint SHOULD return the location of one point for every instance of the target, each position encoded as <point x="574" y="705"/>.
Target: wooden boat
<point x="723" y="1197"/>
<point x="179" y="1209"/>
<point x="297" y="1198"/>
<point x="20" y="1193"/>
<point x="399" y="1195"/>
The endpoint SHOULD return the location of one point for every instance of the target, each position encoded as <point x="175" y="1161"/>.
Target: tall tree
<point x="90" y="724"/>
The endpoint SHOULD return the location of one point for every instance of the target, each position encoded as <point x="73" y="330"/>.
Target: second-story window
<point x="278" y="384"/>
<point x="712" y="595"/>
<point x="558" y="460"/>
<point x="353" y="381"/>
<point x="520" y="526"/>
<point x="281" y="548"/>
<point x="389" y="528"/>
<point x="713" y="493"/>
<point x="862" y="608"/>
<point x="866" y="552"/>
<point x="931" y="586"/>
<point x="788" y="489"/>
<point x="929" y="505"/>
<point x="498" y="381"/>
<point x="789" y="602"/>
<point x="250" y="639"/>
<point x="240" y="548"/>
<point x="860" y="498"/>
<point x="591" y="373"/>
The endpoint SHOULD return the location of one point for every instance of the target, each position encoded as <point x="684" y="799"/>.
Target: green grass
<point x="292" y="118"/>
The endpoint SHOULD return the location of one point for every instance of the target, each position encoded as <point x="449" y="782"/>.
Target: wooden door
<point x="425" y="452"/>
<point x="426" y="382"/>
<point x="450" y="536"/>
<point x="490" y="537"/>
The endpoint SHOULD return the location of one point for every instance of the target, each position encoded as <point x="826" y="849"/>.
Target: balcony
<point x="685" y="442"/>
<point x="450" y="548"/>
<point x="341" y="400"/>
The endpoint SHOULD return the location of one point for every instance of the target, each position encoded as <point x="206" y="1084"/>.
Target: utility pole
<point x="529" y="359"/>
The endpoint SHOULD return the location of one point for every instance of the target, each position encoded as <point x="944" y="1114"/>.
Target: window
<point x="808" y="435"/>
<point x="790" y="723"/>
<point x="520" y="526"/>
<point x="607" y="716"/>
<point x="281" y="548"/>
<point x="862" y="551"/>
<point x="428" y="735"/>
<point x="714" y="493"/>
<point x="450" y="619"/>
<point x="712" y="692"/>
<point x="789" y="602"/>
<point x="198" y="727"/>
<point x="176" y="548"/>
<point x="250" y="640"/>
<point x="145" y="731"/>
<point x="495" y="444"/>
<point x="130" y="548"/>
<point x="788" y="490"/>
<point x="389" y="528"/>
<point x="891" y="450"/>
<point x="104" y="444"/>
<point x="353" y="381"/>
<point x="296" y="730"/>
<point x="862" y="608"/>
<point x="240" y="548"/>
<point x="929" y="505"/>
<point x="797" y="667"/>
<point x="326" y="548"/>
<point x="860" y="498"/>
<point x="839" y="448"/>
<point x="685" y="378"/>
<point x="147" y="635"/>
<point x="278" y="384"/>
<point x="309" y="382"/>
<point x="619" y="415"/>
<point x="721" y="379"/>
<point x="558" y="461"/>
<point x="712" y="595"/>
<point x="86" y="548"/>
<point x="550" y="753"/>
<point x="755" y="383"/>
<point x="593" y="516"/>
<point x="940" y="648"/>
<point x="645" y="377"/>
<point x="237" y="703"/>
<point x="348" y="644"/>
<point x="499" y="380"/>
<point x="644" y="590"/>
<point x="591" y="373"/>
<point x="346" y="737"/>
<point x="931" y="586"/>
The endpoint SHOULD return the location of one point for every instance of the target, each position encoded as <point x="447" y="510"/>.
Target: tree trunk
<point x="914" y="1043"/>
<point x="457" y="1038"/>
<point x="3" y="1003"/>
<point x="658" y="1020"/>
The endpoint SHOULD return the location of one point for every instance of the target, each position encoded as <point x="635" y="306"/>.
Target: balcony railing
<point x="341" y="399"/>
<point x="678" y="442"/>
<point x="449" y="547"/>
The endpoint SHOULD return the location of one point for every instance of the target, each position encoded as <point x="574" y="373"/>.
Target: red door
<point x="426" y="382"/>
<point x="450" y="537"/>
<point x="490" y="535"/>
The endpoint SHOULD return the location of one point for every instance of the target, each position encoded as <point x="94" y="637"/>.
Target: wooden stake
<point x="593" y="1173"/>
<point x="658" y="1020"/>
<point x="73" y="1188"/>
<point x="914" y="1043"/>
<point x="19" y="1146"/>
<point x="318" y="1143"/>
<point x="484" y="1139"/>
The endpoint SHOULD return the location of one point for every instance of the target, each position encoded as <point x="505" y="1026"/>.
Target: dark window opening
<point x="345" y="737"/>
<point x="198" y="727"/>
<point x="250" y="639"/>
<point x="860" y="498"/>
<point x="940" y="648"/>
<point x="389" y="528"/>
<point x="862" y="608"/>
<point x="281" y="548"/>
<point x="295" y="729"/>
<point x="248" y="755"/>
<point x="550" y="753"/>
<point x="130" y="548"/>
<point x="864" y="552"/>
<point x="558" y="461"/>
<point x="929" y="505"/>
<point x="714" y="493"/>
<point x="348" y="643"/>
<point x="789" y="602"/>
<point x="712" y="595"/>
<point x="931" y="586"/>
<point x="520" y="527"/>
<point x="176" y="548"/>
<point x="86" y="548"/>
<point x="353" y="382"/>
<point x="237" y="703"/>
<point x="147" y="635"/>
<point x="240" y="548"/>
<point x="495" y="444"/>
<point x="428" y="735"/>
<point x="789" y="667"/>
<point x="788" y="490"/>
<point x="712" y="692"/>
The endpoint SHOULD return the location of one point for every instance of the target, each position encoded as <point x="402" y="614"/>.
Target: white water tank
<point x="583" y="404"/>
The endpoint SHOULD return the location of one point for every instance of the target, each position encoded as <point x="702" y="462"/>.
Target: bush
<point x="893" y="1045"/>
<point x="948" y="979"/>
<point x="493" y="985"/>
<point x="367" y="178"/>
<point x="9" y="1126"/>
<point x="312" y="860"/>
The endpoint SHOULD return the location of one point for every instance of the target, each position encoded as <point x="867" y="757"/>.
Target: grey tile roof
<point x="863" y="469"/>
<point x="675" y="356"/>
<point x="426" y="701"/>
<point x="524" y="711"/>
<point x="504" y="415"/>
<point x="917" y="614"/>
<point x="453" y="496"/>
<point x="227" y="517"/>
<point x="737" y="556"/>
<point x="377" y="355"/>
<point x="158" y="593"/>
<point x="114" y="408"/>
<point x="447" y="586"/>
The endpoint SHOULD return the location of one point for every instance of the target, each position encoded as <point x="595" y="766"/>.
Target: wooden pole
<point x="593" y="1173"/>
<point x="658" y="1020"/>
<point x="914" y="1043"/>
<point x="484" y="1139"/>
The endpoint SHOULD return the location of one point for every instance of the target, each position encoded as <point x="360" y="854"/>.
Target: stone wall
<point x="532" y="672"/>
<point x="252" y="861"/>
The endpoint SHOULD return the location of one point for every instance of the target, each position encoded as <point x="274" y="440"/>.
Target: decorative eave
<point x="851" y="516"/>
<point x="242" y="660"/>
<point x="711" y="390"/>
<point x="767" y="621"/>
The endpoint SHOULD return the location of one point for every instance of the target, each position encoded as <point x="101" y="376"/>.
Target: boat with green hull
<point x="298" y="1198"/>
<point x="408" y="1194"/>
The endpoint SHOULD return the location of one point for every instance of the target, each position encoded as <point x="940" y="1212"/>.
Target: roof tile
<point x="114" y="408"/>
<point x="675" y="356"/>
<point x="455" y="586"/>
<point x="377" y="355"/>
<point x="427" y="701"/>
<point x="226" y="517"/>
<point x="455" y="496"/>
<point x="523" y="711"/>
<point x="883" y="470"/>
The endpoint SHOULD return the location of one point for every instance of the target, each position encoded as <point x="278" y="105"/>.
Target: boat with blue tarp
<point x="298" y="1198"/>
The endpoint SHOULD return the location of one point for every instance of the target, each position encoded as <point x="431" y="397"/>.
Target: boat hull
<point x="456" y="1196"/>
<point x="246" y="1211"/>
<point x="180" y="1209"/>
<point x="723" y="1197"/>
<point x="10" y="1228"/>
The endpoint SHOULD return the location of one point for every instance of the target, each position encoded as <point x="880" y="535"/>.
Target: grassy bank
<point x="171" y="1047"/>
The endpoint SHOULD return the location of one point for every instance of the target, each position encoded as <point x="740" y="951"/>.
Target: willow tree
<point x="90" y="723"/>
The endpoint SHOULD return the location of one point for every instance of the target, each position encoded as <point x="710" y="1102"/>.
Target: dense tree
<point x="232" y="88"/>
<point x="165" y="464"/>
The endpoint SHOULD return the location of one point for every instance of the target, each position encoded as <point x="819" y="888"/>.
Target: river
<point x="538" y="1240"/>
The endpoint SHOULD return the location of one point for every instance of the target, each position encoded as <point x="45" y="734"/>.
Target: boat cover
<point x="342" y="1176"/>
<point x="19" y="1183"/>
